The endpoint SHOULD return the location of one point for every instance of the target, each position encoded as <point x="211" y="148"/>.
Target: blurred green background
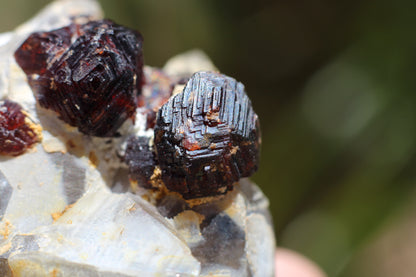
<point x="334" y="85"/>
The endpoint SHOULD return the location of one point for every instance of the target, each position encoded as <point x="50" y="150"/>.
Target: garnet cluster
<point x="206" y="137"/>
<point x="90" y="74"/>
<point x="17" y="132"/>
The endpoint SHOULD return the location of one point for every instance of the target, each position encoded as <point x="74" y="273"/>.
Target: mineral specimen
<point x="90" y="74"/>
<point x="17" y="131"/>
<point x="207" y="137"/>
<point x="74" y="211"/>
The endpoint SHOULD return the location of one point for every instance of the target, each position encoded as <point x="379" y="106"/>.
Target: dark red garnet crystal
<point x="207" y="137"/>
<point x="17" y="131"/>
<point x="90" y="74"/>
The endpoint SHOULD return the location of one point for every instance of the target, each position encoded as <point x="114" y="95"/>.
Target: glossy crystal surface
<point x="89" y="74"/>
<point x="17" y="131"/>
<point x="207" y="137"/>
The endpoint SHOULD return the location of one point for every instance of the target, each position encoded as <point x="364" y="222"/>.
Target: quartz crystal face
<point x="17" y="132"/>
<point x="207" y="137"/>
<point x="89" y="74"/>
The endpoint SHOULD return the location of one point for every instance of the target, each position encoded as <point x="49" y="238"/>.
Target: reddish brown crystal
<point x="207" y="137"/>
<point x="89" y="74"/>
<point x="17" y="131"/>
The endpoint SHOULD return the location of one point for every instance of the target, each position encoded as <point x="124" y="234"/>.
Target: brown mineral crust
<point x="140" y="159"/>
<point x="207" y="137"/>
<point x="90" y="74"/>
<point x="17" y="132"/>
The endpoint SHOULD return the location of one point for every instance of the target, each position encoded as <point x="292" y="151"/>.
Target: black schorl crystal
<point x="207" y="137"/>
<point x="90" y="74"/>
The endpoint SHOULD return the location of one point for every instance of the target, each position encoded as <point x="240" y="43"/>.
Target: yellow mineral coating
<point x="94" y="161"/>
<point x="6" y="229"/>
<point x="57" y="215"/>
<point x="22" y="268"/>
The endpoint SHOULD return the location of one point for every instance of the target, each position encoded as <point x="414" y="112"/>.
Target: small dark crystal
<point x="140" y="160"/>
<point x="17" y="131"/>
<point x="89" y="74"/>
<point x="207" y="137"/>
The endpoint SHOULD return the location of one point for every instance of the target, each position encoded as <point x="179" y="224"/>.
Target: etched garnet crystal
<point x="89" y="74"/>
<point x="17" y="132"/>
<point x="207" y="137"/>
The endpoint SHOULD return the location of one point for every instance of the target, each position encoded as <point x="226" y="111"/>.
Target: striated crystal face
<point x="90" y="74"/>
<point x="17" y="132"/>
<point x="207" y="137"/>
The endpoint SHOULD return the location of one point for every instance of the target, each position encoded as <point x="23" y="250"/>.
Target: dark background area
<point x="333" y="83"/>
